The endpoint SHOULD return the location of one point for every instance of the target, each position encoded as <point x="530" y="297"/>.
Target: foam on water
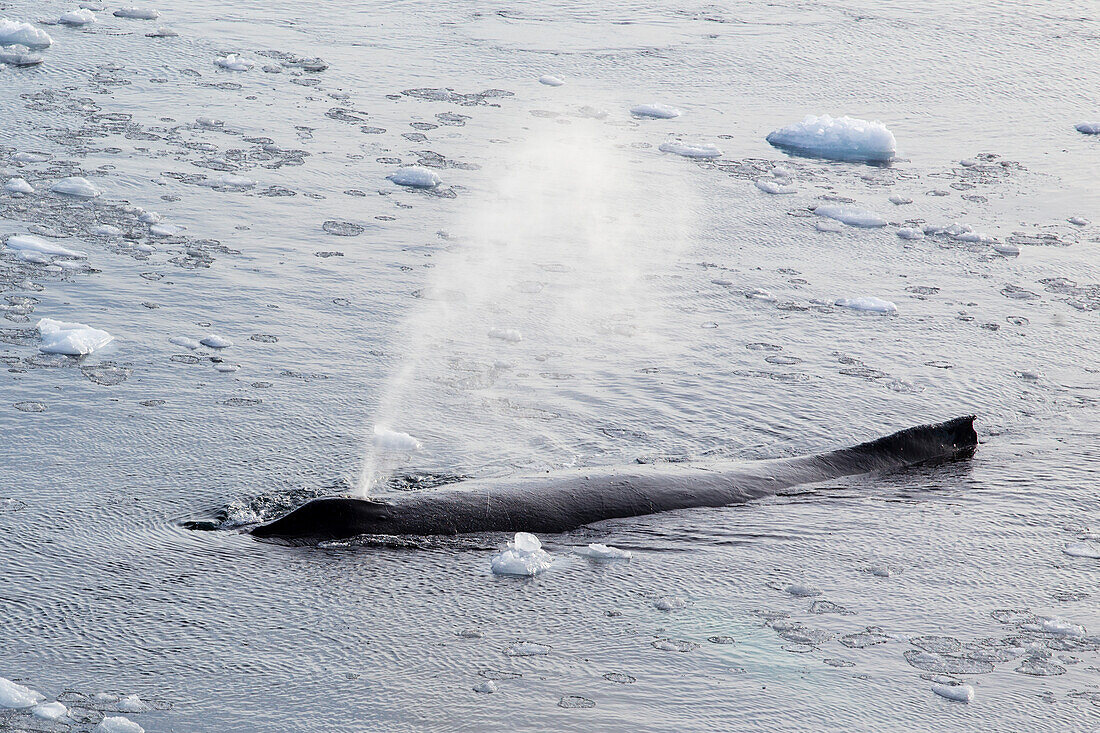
<point x="392" y="440"/>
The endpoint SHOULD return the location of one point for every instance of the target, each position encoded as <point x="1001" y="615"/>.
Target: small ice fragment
<point x="670" y="603"/>
<point x="14" y="33"/>
<point x="872" y="304"/>
<point x="780" y="171"/>
<point x="910" y="233"/>
<point x="387" y="439"/>
<point x="50" y="711"/>
<point x="828" y="225"/>
<point x="550" y="81"/>
<point x="760" y="294"/>
<point x="137" y="13"/>
<point x="841" y="138"/>
<point x="851" y="215"/>
<point x="162" y="32"/>
<point x="506" y="334"/>
<point x="1082" y="549"/>
<point x="774" y="187"/>
<point x="655" y="110"/>
<point x="800" y="590"/>
<point x="74" y="339"/>
<point x="32" y="256"/>
<point x="106" y="230"/>
<point x="165" y="230"/>
<point x="15" y="695"/>
<point x="79" y="17"/>
<point x="233" y="62"/>
<point x="118" y="724"/>
<point x="230" y="181"/>
<point x="1056" y="626"/>
<point x="19" y="56"/>
<point x="76" y="186"/>
<point x="880" y="571"/>
<point x="487" y="687"/>
<point x="18" y="185"/>
<point x="215" y="341"/>
<point x="1089" y="128"/>
<point x="1008" y="249"/>
<point x="523" y="557"/>
<point x="597" y="551"/>
<point x="187" y="343"/>
<point x="416" y="176"/>
<point x="899" y="200"/>
<point x="133" y="704"/>
<point x="226" y="368"/>
<point x="149" y="217"/>
<point x="31" y="243"/>
<point x="26" y="157"/>
<point x="1078" y="221"/>
<point x="958" y="693"/>
<point x="690" y="150"/>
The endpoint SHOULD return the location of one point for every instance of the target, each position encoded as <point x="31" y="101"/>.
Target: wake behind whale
<point x="564" y="500"/>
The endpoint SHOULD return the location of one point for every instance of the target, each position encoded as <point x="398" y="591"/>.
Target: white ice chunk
<point x="774" y="187"/>
<point x="597" y="551"/>
<point x="897" y="200"/>
<point x="133" y="704"/>
<point x="149" y="217"/>
<point x="15" y="695"/>
<point x="187" y="343"/>
<point x="1055" y="625"/>
<point x="1079" y="221"/>
<point x="851" y="215"/>
<point x="106" y="230"/>
<point x="523" y="557"/>
<point x="958" y="693"/>
<point x="76" y="186"/>
<point x="690" y="150"/>
<point x="18" y="185"/>
<point x="83" y="16"/>
<point x="165" y="230"/>
<point x="31" y="243"/>
<point x="1008" y="249"/>
<point x="655" y="110"/>
<point x="387" y="439"/>
<point x="19" y="56"/>
<point x="550" y="81"/>
<point x="50" y="711"/>
<point x="841" y="138"/>
<point x="800" y="590"/>
<point x="13" y="33"/>
<point x="74" y="339"/>
<point x="231" y="181"/>
<point x="1089" y="128"/>
<point x="233" y="62"/>
<point x="162" y="32"/>
<point x="118" y="724"/>
<point x="214" y="341"/>
<point x="910" y="233"/>
<point x="416" y="176"/>
<point x="506" y="334"/>
<point x="1082" y="549"/>
<point x="138" y="13"/>
<point x="27" y="157"/>
<point x="486" y="686"/>
<point x="871" y="304"/>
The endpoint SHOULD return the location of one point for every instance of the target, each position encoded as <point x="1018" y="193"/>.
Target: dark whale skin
<point x="559" y="501"/>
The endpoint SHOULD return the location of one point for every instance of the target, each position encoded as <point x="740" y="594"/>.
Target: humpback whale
<point x="558" y="501"/>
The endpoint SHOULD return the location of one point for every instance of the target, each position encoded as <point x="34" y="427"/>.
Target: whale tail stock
<point x="939" y="441"/>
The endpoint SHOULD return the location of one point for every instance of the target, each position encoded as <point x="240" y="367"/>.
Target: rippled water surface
<point x="666" y="309"/>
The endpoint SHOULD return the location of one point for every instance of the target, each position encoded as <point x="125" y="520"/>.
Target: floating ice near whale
<point x="31" y="243"/>
<point x="775" y="186"/>
<point x="18" y="185"/>
<point x="19" y="56"/>
<point x="50" y="711"/>
<point x="872" y="304"/>
<point x="23" y="34"/>
<point x="851" y="215"/>
<point x="910" y="233"/>
<point x="597" y="551"/>
<point x="841" y="138"/>
<point x="958" y="693"/>
<point x="897" y="200"/>
<point x="415" y="176"/>
<point x="656" y="111"/>
<point x="80" y="17"/>
<point x="133" y="704"/>
<point x="185" y="342"/>
<point x="216" y="342"/>
<point x="1089" y="128"/>
<point x="387" y="439"/>
<point x="15" y="695"/>
<point x="233" y="62"/>
<point x="138" y="13"/>
<point x="118" y="724"/>
<point x="76" y="186"/>
<point x="524" y="557"/>
<point x="228" y="180"/>
<point x="74" y="339"/>
<point x="550" y="81"/>
<point x="690" y="150"/>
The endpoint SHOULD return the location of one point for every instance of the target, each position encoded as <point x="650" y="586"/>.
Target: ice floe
<point x="228" y="180"/>
<point x="18" y="185"/>
<point x="164" y="230"/>
<point x="50" y="711"/>
<point x="19" y="56"/>
<point x="106" y="230"/>
<point x="387" y="439"/>
<point x="506" y="334"/>
<point x="1079" y="221"/>
<point x="871" y="304"/>
<point x="597" y="551"/>
<point x="523" y="557"/>
<point x="214" y="341"/>
<point x="162" y="32"/>
<point x="80" y="17"/>
<point x="958" y="693"/>
<point x="655" y="110"/>
<point x="233" y="62"/>
<point x="137" y="13"/>
<point x="133" y="704"/>
<point x="76" y="186"/>
<point x="28" y="157"/>
<point x="13" y="33"/>
<point x="690" y="150"/>
<point x="1082" y="549"/>
<point x="775" y="186"/>
<point x="119" y="724"/>
<point x="910" y="233"/>
<point x="851" y="215"/>
<point x="185" y="342"/>
<point x="74" y="339"/>
<point x="1008" y="249"/>
<point x="1089" y="128"/>
<point x="31" y="243"/>
<point x="897" y="200"/>
<point x="415" y="176"/>
<point x="550" y="81"/>
<point x="15" y="695"/>
<point x="841" y="138"/>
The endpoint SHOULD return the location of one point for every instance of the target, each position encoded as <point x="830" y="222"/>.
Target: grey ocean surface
<point x="668" y="309"/>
